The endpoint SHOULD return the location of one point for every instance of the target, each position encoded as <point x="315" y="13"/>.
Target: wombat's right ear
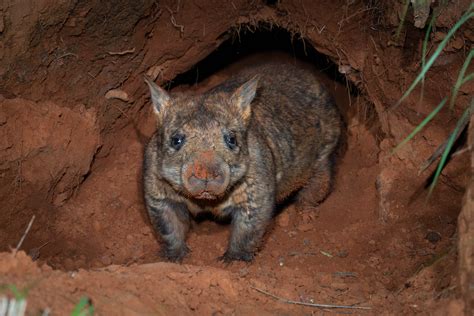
<point x="159" y="97"/>
<point x="244" y="96"/>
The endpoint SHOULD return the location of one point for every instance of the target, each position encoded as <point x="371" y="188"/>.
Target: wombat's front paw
<point x="230" y="256"/>
<point x="175" y="254"/>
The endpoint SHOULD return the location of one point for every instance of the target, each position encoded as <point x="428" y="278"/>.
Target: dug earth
<point x="237" y="150"/>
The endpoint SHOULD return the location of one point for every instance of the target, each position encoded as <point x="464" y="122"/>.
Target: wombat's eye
<point x="177" y="141"/>
<point x="230" y="140"/>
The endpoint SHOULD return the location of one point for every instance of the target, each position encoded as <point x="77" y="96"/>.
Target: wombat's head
<point x="203" y="138"/>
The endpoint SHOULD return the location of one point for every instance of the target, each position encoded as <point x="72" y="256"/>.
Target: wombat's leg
<point x="318" y="187"/>
<point x="249" y="222"/>
<point x="171" y="219"/>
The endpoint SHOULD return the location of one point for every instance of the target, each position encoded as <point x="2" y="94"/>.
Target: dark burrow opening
<point x="245" y="41"/>
<point x="254" y="44"/>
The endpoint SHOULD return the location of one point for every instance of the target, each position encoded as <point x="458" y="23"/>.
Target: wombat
<point x="237" y="150"/>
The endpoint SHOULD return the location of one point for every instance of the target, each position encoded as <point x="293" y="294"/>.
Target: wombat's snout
<point x="205" y="176"/>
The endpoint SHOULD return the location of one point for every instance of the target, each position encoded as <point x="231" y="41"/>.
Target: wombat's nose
<point x="207" y="173"/>
<point x="206" y="178"/>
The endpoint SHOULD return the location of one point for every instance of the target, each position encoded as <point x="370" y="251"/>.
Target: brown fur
<point x="285" y="128"/>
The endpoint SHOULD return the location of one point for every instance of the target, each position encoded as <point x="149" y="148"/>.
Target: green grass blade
<point x="461" y="78"/>
<point x="466" y="16"/>
<point x="424" y="51"/>
<point x="421" y="125"/>
<point x="449" y="145"/>
<point x="18" y="294"/>
<point x="467" y="78"/>
<point x="402" y="20"/>
<point x="427" y="38"/>
<point x="84" y="307"/>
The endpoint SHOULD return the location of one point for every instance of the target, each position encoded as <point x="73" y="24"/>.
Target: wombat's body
<point x="236" y="151"/>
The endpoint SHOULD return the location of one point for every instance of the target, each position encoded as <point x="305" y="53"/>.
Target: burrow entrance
<point x="104" y="222"/>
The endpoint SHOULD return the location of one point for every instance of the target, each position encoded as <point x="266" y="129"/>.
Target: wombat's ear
<point x="244" y="95"/>
<point x="159" y="97"/>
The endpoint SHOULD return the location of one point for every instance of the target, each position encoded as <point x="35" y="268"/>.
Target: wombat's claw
<point x="230" y="257"/>
<point x="175" y="255"/>
<point x="226" y="261"/>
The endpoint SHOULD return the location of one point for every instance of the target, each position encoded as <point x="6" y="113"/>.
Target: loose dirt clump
<point x="75" y="115"/>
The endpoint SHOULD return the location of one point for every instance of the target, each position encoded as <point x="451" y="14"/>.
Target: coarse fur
<point x="236" y="151"/>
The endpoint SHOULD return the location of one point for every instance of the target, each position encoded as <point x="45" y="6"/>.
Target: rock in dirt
<point x="96" y="225"/>
<point x="342" y="254"/>
<point x="339" y="286"/>
<point x="439" y="36"/>
<point x="117" y="94"/>
<point x="106" y="260"/>
<point x="283" y="219"/>
<point x="304" y="227"/>
<point x="456" y="43"/>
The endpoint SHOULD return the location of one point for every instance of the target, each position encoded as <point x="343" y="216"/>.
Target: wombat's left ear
<point x="244" y="95"/>
<point x="159" y="97"/>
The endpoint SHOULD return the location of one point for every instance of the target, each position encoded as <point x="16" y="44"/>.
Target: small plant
<point x="83" y="308"/>
<point x="15" y="306"/>
<point x="446" y="147"/>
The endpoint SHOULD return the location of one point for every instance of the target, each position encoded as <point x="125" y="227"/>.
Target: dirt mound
<point x="46" y="153"/>
<point x="188" y="288"/>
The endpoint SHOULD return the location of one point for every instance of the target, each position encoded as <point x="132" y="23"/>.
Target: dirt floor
<point x="71" y="155"/>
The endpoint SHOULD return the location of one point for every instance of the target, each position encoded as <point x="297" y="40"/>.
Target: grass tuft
<point x="15" y="306"/>
<point x="465" y="17"/>
<point x="461" y="79"/>
<point x="83" y="308"/>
